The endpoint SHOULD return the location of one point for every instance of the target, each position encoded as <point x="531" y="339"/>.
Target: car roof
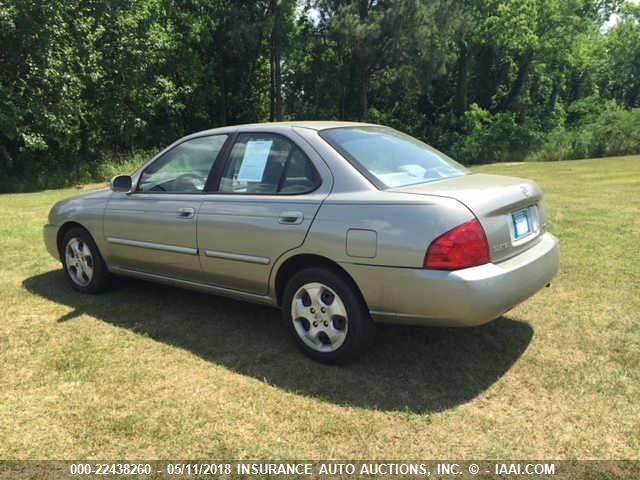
<point x="310" y="124"/>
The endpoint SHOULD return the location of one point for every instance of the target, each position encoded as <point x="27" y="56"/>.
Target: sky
<point x="613" y="19"/>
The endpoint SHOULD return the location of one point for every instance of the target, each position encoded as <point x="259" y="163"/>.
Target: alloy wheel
<point x="319" y="317"/>
<point x="79" y="261"/>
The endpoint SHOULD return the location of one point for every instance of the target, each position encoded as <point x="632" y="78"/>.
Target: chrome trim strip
<point x="203" y="287"/>
<point x="153" y="246"/>
<point x="238" y="257"/>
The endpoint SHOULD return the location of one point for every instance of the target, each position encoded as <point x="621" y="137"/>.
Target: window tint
<point x="267" y="164"/>
<point x="392" y="158"/>
<point x="183" y="169"/>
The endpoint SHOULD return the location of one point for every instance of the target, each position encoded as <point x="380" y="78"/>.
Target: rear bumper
<point x="50" y="233"/>
<point x="472" y="296"/>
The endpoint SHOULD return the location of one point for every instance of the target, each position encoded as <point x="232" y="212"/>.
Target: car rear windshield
<point x="389" y="158"/>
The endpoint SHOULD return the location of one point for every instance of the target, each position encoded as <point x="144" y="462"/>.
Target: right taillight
<point x="464" y="246"/>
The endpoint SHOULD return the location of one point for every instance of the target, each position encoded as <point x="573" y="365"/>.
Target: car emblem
<point x="524" y="190"/>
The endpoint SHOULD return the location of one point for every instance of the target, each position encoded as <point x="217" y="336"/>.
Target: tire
<point x="82" y="263"/>
<point x="326" y="315"/>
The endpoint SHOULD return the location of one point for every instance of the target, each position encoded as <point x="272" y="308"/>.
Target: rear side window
<point x="267" y="164"/>
<point x="299" y="176"/>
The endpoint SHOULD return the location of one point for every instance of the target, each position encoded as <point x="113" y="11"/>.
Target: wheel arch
<point x="64" y="228"/>
<point x="295" y="263"/>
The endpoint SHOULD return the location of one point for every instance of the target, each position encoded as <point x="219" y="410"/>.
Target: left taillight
<point x="462" y="247"/>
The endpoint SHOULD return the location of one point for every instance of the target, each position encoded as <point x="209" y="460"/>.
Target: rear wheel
<point x="83" y="265"/>
<point x="326" y="316"/>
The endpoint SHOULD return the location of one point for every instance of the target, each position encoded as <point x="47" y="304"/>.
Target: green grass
<point x="146" y="371"/>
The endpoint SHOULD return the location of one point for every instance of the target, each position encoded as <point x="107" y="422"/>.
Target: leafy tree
<point x="620" y="74"/>
<point x="82" y="81"/>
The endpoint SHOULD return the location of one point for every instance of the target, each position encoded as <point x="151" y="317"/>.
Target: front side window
<point x="267" y="164"/>
<point x="184" y="168"/>
<point x="390" y="158"/>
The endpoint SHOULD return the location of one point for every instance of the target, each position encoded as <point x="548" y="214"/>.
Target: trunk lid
<point x="510" y="209"/>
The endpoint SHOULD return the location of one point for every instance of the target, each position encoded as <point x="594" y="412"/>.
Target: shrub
<point x="498" y="137"/>
<point x="610" y="131"/>
<point x="52" y="175"/>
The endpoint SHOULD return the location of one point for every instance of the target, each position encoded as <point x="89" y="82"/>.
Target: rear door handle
<point x="291" y="218"/>
<point x="186" y="212"/>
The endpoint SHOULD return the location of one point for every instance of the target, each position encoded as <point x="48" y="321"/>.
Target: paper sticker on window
<point x="256" y="153"/>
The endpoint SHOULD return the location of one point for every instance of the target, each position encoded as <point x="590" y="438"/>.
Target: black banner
<point x="330" y="469"/>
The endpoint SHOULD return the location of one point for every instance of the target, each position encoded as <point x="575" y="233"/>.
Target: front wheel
<point x="326" y="316"/>
<point x="83" y="265"/>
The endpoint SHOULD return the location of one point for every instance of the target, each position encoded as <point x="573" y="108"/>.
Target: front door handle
<point x="186" y="212"/>
<point x="291" y="218"/>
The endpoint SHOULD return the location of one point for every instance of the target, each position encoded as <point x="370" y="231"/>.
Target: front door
<point x="269" y="192"/>
<point x="153" y="229"/>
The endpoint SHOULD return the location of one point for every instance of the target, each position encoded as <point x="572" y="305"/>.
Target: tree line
<point x="83" y="82"/>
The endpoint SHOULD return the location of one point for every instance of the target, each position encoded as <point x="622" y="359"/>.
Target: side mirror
<point x="121" y="183"/>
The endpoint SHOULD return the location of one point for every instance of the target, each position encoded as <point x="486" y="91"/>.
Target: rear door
<point x="153" y="229"/>
<point x="266" y="197"/>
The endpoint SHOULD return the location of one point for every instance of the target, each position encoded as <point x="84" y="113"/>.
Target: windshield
<point x="390" y="158"/>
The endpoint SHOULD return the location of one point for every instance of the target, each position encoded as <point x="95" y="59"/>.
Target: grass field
<point x="146" y="371"/>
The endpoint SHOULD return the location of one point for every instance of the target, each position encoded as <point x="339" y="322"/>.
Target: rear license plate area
<point x="522" y="224"/>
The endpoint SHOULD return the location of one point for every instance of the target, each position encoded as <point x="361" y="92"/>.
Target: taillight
<point x="464" y="246"/>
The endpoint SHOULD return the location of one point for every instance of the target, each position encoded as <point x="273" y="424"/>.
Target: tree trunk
<point x="553" y="98"/>
<point x="461" y="99"/>
<point x="276" y="56"/>
<point x="487" y="76"/>
<point x="363" y="69"/>
<point x="363" y="86"/>
<point x="513" y="99"/>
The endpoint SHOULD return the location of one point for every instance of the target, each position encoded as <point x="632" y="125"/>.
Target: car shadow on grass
<point x="408" y="369"/>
